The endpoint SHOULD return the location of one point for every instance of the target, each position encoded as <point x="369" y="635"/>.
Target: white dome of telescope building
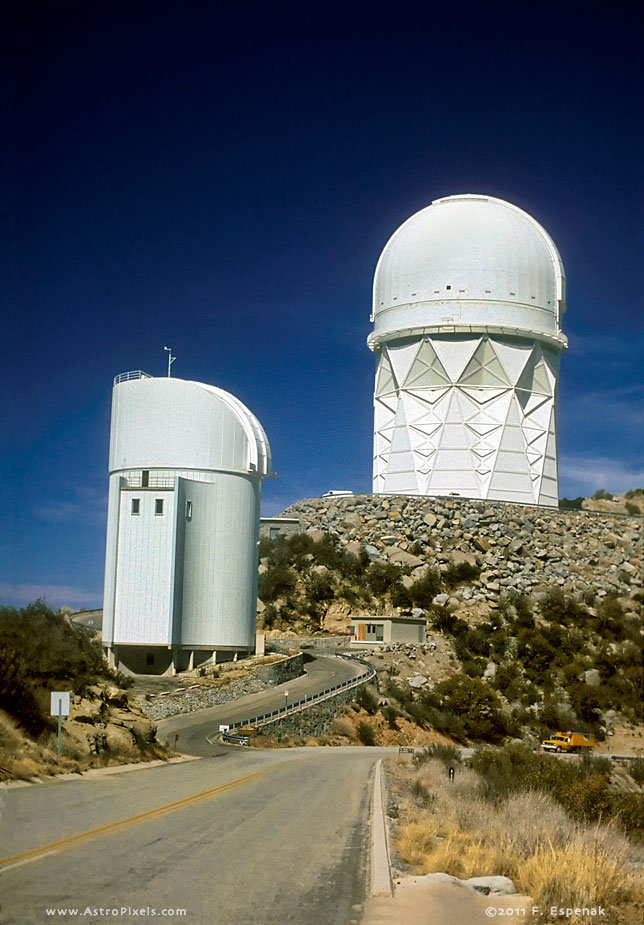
<point x="467" y="305"/>
<point x="186" y="466"/>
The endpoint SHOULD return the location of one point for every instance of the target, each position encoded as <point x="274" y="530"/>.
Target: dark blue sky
<point x="221" y="178"/>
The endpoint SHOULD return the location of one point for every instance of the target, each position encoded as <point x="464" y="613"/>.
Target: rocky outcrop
<point x="526" y="549"/>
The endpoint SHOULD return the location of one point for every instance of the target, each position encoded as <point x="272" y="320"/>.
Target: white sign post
<point x="60" y="707"/>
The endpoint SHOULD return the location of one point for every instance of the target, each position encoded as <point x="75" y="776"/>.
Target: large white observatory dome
<point x="467" y="302"/>
<point x="469" y="261"/>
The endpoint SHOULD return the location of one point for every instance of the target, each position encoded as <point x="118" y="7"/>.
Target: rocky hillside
<point x="526" y="549"/>
<point x="534" y="615"/>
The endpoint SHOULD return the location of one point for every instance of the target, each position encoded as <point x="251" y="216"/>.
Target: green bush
<point x="464" y="571"/>
<point x="473" y="702"/>
<point x="424" y="590"/>
<point x="381" y="576"/>
<point x="602" y="495"/>
<point x="633" y="492"/>
<point x="632" y="508"/>
<point x="275" y="582"/>
<point x="401" y="596"/>
<point x="629" y="810"/>
<point x="320" y="587"/>
<point x="445" y="753"/>
<point x="636" y="770"/>
<point x="366" y="699"/>
<point x="42" y="651"/>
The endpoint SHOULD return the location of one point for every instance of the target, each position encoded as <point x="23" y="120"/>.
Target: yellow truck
<point x="569" y="742"/>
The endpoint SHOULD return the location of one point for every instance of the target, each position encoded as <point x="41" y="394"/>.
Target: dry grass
<point x="528" y="838"/>
<point x="22" y="758"/>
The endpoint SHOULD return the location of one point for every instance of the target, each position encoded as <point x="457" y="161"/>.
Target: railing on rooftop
<point x="133" y="374"/>
<point x="153" y="481"/>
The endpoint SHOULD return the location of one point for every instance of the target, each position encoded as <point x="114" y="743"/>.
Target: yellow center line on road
<point x="140" y="817"/>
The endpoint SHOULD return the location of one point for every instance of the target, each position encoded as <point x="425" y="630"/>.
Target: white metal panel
<point x="482" y="442"/>
<point x="143" y="570"/>
<point x="219" y="581"/>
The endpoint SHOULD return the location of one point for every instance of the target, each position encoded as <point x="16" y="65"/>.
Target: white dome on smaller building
<point x="469" y="263"/>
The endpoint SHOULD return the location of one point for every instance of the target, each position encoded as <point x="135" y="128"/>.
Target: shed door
<point x="361" y="631"/>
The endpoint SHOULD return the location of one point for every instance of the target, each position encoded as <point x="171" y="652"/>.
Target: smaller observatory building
<point x="468" y="299"/>
<point x="185" y="471"/>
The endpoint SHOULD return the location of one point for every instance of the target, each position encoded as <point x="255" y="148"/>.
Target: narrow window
<point x="145" y="478"/>
<point x="275" y="532"/>
<point x="448" y="287"/>
<point x="149" y="661"/>
<point x="136" y="505"/>
<point x="158" y="505"/>
<point x="188" y="510"/>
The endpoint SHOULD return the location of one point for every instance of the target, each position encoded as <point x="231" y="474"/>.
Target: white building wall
<point x="467" y="415"/>
<point x="144" y="569"/>
<point x="219" y="576"/>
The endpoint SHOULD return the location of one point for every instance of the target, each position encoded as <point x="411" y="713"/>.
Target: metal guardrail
<point x="236" y="740"/>
<point x="300" y="705"/>
<point x="132" y="374"/>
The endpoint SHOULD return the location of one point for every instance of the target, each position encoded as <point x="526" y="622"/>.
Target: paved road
<point x="254" y="837"/>
<point x="192" y="728"/>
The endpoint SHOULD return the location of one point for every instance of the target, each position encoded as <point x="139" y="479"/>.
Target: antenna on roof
<point x="171" y="360"/>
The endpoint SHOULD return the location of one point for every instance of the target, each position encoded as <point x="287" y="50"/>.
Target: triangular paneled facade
<point x="471" y="415"/>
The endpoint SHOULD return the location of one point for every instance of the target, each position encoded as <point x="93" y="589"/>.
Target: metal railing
<point x="132" y="374"/>
<point x="309" y="701"/>
<point x="153" y="481"/>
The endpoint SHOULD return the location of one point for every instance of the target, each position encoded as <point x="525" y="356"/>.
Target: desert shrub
<point x="536" y="653"/>
<point x="366" y="734"/>
<point x="602" y="495"/>
<point x="463" y="571"/>
<point x="633" y="492"/>
<point x="425" y="589"/>
<point x="632" y="508"/>
<point x="299" y="544"/>
<point x="401" y="596"/>
<point x="586" y="701"/>
<point x="319" y="587"/>
<point x="391" y="714"/>
<point x="444" y="721"/>
<point x="326" y="552"/>
<point x="366" y="699"/>
<point x="381" y="576"/>
<point x="571" y="504"/>
<point x="443" y="620"/>
<point x="349" y="594"/>
<point x="445" y="753"/>
<point x="275" y="582"/>
<point x="473" y="667"/>
<point x="473" y="702"/>
<point x="269" y="616"/>
<point x="558" y="607"/>
<point x="401" y="694"/>
<point x="421" y="794"/>
<point x="636" y="770"/>
<point x="628" y="808"/>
